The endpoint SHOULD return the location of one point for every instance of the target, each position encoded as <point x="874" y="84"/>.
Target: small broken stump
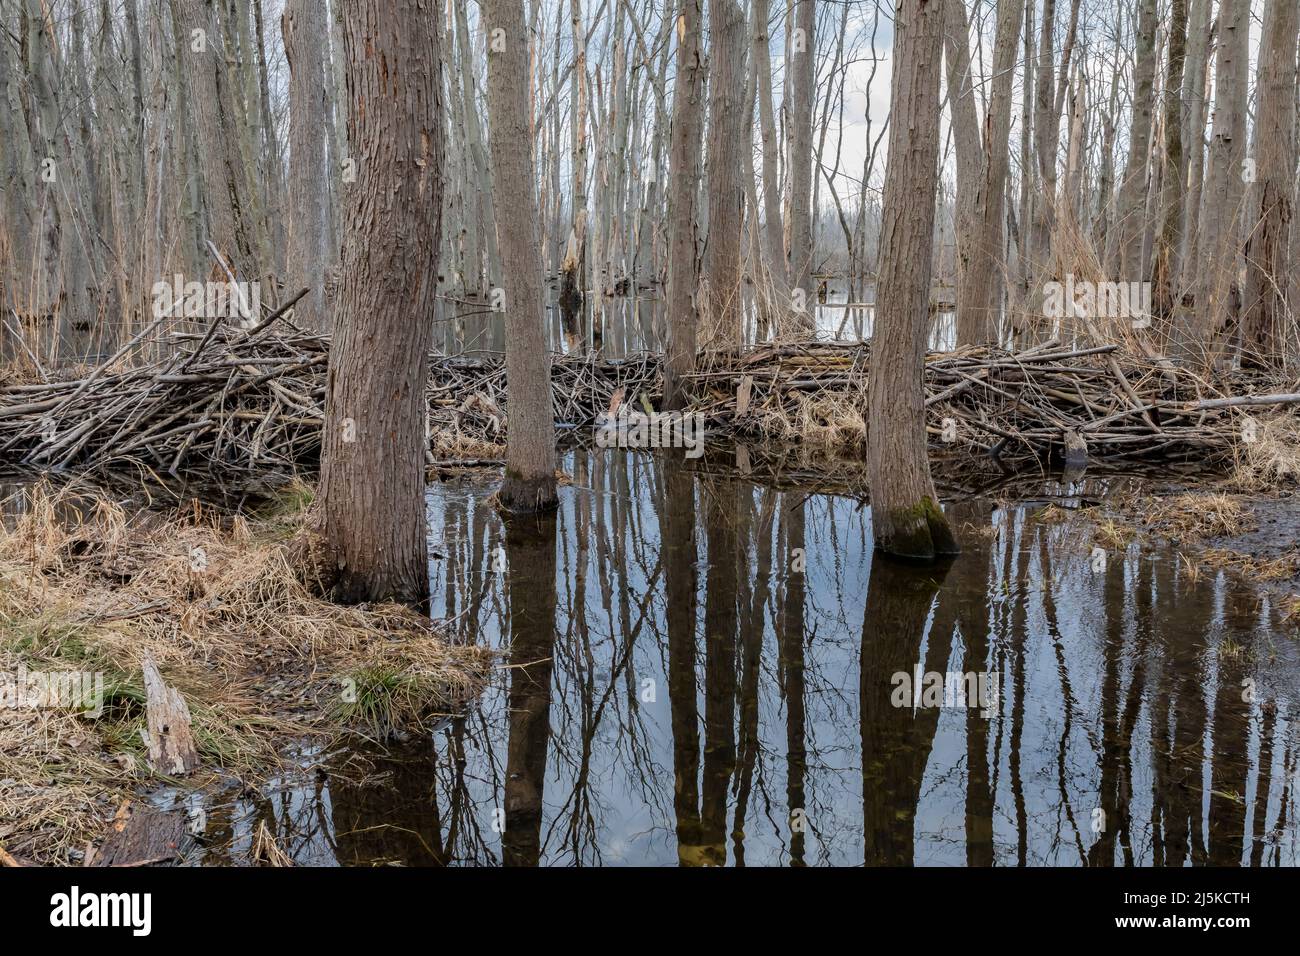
<point x="170" y="736"/>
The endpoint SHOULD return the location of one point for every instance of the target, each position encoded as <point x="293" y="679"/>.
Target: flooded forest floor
<point x="734" y="595"/>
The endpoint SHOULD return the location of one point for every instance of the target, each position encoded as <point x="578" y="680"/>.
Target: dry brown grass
<point x="452" y="443"/>
<point x="218" y="602"/>
<point x="823" y="422"/>
<point x="1272" y="459"/>
<point x="1251" y="567"/>
<point x="1113" y="535"/>
<point x="1197" y="516"/>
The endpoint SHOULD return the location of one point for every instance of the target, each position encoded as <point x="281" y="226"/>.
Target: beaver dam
<point x="230" y="402"/>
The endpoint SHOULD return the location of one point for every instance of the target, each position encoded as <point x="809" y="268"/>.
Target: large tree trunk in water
<point x="729" y="137"/>
<point x="802" y="43"/>
<point x="304" y="30"/>
<point x="979" y="297"/>
<point x="683" y="183"/>
<point x="530" y="445"/>
<point x="905" y="515"/>
<point x="1264" y="331"/>
<point x="372" y="521"/>
<point x="1220" y="243"/>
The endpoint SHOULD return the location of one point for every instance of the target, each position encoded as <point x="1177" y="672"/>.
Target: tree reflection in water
<point x="703" y="673"/>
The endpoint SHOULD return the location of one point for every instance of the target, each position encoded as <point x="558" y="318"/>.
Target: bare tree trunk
<point x="201" y="45"/>
<point x="530" y="447"/>
<point x="573" y="283"/>
<point x="969" y="152"/>
<point x="371" y="498"/>
<point x="800" y="159"/>
<point x="1194" y="94"/>
<point x="1217" y="301"/>
<point x="683" y="192"/>
<point x="979" y="297"/>
<point x="272" y="231"/>
<point x="1164" y="268"/>
<point x="905" y="514"/>
<point x="303" y="28"/>
<point x="773" y="230"/>
<point x="1265" y="332"/>
<point x="729" y="129"/>
<point x="1133" y="188"/>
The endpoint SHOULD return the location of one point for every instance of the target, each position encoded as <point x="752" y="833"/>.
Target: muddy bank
<point x="1211" y="527"/>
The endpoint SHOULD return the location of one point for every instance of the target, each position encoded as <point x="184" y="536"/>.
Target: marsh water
<point x="703" y="669"/>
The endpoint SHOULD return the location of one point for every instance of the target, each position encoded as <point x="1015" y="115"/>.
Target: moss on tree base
<point x="521" y="495"/>
<point x="918" y="533"/>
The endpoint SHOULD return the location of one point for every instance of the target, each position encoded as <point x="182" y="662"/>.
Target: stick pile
<point x="1085" y="402"/>
<point x="252" y="401"/>
<point x="230" y="400"/>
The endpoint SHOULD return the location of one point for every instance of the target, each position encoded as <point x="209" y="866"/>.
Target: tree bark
<point x="371" y="498"/>
<point x="530" y="444"/>
<point x="1265" y="332"/>
<point x="1220" y="242"/>
<point x="773" y="230"/>
<point x="304" y="30"/>
<point x="1164" y="268"/>
<point x="729" y="125"/>
<point x="967" y="149"/>
<point x="1194" y="94"/>
<point x="802" y="74"/>
<point x="683" y="191"/>
<point x="979" y="296"/>
<point x="222" y="170"/>
<point x="1133" y="188"/>
<point x="905" y="514"/>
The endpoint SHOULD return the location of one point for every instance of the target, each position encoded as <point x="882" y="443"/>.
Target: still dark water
<point x="707" y="671"/>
